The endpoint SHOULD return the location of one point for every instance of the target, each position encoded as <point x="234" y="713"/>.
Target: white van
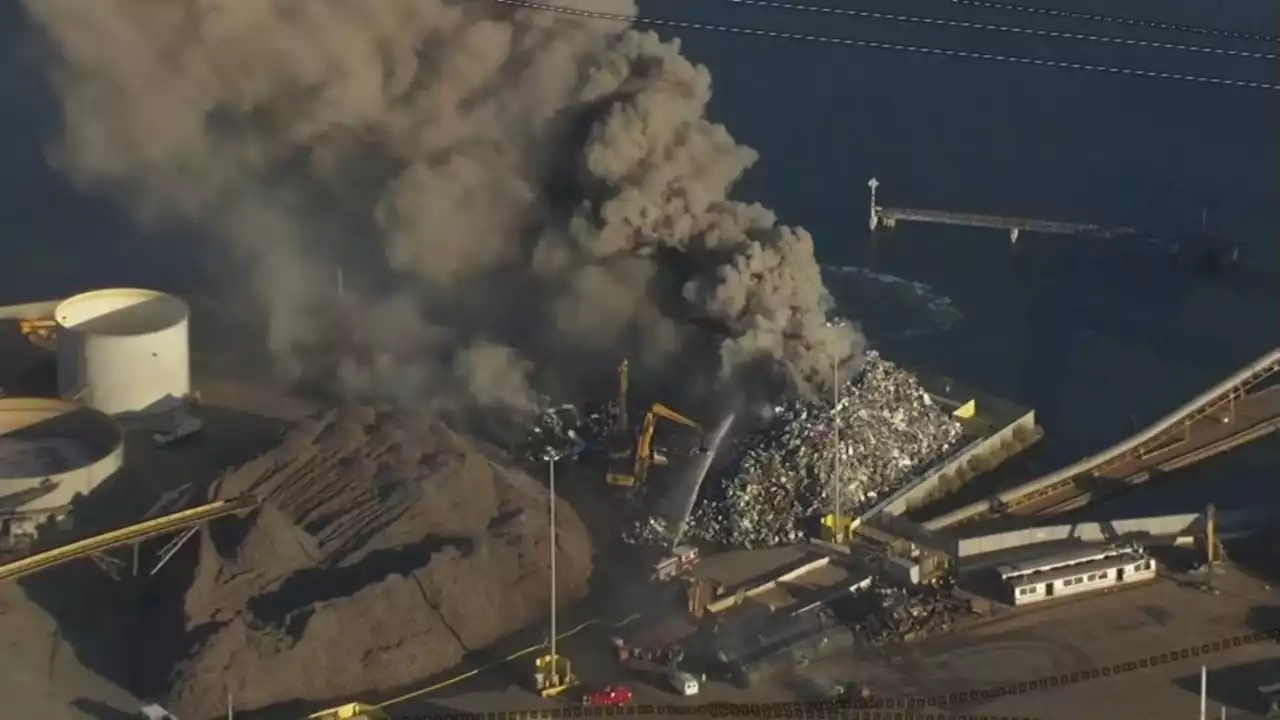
<point x="683" y="682"/>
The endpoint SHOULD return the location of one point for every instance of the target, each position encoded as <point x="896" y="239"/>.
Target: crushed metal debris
<point x="778" y="480"/>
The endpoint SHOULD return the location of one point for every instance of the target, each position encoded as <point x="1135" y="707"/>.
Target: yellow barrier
<point x="125" y="536"/>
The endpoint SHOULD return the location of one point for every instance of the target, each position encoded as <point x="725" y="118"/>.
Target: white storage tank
<point x="123" y="350"/>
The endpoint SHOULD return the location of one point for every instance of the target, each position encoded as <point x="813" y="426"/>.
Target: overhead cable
<point x="850" y="42"/>
<point x="1118" y="20"/>
<point x="798" y="7"/>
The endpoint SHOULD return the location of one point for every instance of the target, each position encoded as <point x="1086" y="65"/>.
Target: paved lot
<point x="1078" y="636"/>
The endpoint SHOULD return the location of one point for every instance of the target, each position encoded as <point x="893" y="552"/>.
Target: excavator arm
<point x="642" y="458"/>
<point x="644" y="448"/>
<point x="663" y="411"/>
<point x="644" y="444"/>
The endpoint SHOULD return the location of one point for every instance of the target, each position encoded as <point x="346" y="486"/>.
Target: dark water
<point x="1099" y="340"/>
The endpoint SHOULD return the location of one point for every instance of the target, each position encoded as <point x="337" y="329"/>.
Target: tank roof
<point x="120" y="311"/>
<point x="42" y="437"/>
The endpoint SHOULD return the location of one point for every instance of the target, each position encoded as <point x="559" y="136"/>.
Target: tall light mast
<point x="837" y="464"/>
<point x="552" y="456"/>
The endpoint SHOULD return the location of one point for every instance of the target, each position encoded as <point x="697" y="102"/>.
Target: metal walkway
<point x="889" y="217"/>
<point x="1233" y="412"/>
<point x="129" y="535"/>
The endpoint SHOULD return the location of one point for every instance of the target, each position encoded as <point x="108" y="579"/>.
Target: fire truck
<point x="609" y="695"/>
<point x="681" y="561"/>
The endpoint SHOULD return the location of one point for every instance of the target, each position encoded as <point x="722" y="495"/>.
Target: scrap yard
<point x="763" y="549"/>
<point x="492" y="359"/>
<point x="283" y="544"/>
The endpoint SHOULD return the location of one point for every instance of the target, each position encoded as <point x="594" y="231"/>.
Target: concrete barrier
<point x="729" y="601"/>
<point x="789" y="576"/>
<point x="1166" y="527"/>
<point x="904" y="530"/>
<point x="979" y="456"/>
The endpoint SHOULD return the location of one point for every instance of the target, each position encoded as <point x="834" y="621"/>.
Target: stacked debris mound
<point x="888" y="614"/>
<point x="384" y="551"/>
<point x="885" y="429"/>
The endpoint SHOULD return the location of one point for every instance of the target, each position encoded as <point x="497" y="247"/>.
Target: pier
<point x="888" y="217"/>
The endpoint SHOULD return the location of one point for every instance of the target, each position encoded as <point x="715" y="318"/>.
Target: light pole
<point x="835" y="423"/>
<point x="552" y="456"/>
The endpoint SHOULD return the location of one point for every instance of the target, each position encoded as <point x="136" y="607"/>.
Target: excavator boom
<point x="665" y="412"/>
<point x="643" y="459"/>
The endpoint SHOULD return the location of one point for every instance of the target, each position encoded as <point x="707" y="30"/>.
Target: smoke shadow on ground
<point x="126" y="631"/>
<point x="1234" y="686"/>
<point x="102" y="711"/>
<point x="1264" y="619"/>
<point x="301" y="709"/>
<point x="1256" y="556"/>
<point x="131" y="631"/>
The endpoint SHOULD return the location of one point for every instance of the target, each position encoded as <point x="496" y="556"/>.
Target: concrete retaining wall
<point x="982" y="455"/>
<point x="1161" y="526"/>
<point x="729" y="601"/>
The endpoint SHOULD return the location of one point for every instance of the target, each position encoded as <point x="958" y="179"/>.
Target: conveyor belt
<point x="1235" y="411"/>
<point x="125" y="536"/>
<point x="1257" y="416"/>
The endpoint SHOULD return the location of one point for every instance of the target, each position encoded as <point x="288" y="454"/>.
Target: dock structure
<point x="889" y="217"/>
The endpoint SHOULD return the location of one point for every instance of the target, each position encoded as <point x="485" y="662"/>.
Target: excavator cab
<point x="621" y="472"/>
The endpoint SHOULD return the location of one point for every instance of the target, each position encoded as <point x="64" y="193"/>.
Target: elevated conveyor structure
<point x="1240" y="409"/>
<point x="129" y="535"/>
<point x="889" y="217"/>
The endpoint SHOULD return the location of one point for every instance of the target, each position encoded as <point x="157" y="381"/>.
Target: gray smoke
<point x="512" y="193"/>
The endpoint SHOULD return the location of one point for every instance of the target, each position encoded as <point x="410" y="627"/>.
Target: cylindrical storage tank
<point x="123" y="350"/>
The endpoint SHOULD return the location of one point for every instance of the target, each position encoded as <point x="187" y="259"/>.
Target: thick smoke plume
<point x="515" y="196"/>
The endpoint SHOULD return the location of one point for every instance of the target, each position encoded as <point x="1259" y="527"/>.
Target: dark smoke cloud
<point x="513" y="194"/>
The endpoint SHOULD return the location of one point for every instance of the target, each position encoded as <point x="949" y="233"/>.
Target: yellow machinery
<point x="836" y="529"/>
<point x="350" y="711"/>
<point x="552" y="675"/>
<point x="642" y="457"/>
<point x="39" y="332"/>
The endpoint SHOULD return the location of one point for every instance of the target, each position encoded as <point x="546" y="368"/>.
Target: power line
<point x="1115" y="19"/>
<point x="945" y="52"/>
<point x="775" y="4"/>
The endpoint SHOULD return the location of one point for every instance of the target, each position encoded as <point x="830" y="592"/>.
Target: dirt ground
<point x="365" y="504"/>
<point x="386" y="549"/>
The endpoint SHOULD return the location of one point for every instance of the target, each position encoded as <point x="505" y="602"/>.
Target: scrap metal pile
<point x="780" y="478"/>
<point x="892" y="614"/>
<point x="559" y="430"/>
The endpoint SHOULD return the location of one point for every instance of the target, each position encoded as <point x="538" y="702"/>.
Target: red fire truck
<point x="612" y="695"/>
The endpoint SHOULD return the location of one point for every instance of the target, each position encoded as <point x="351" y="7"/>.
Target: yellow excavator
<point x="642" y="457"/>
